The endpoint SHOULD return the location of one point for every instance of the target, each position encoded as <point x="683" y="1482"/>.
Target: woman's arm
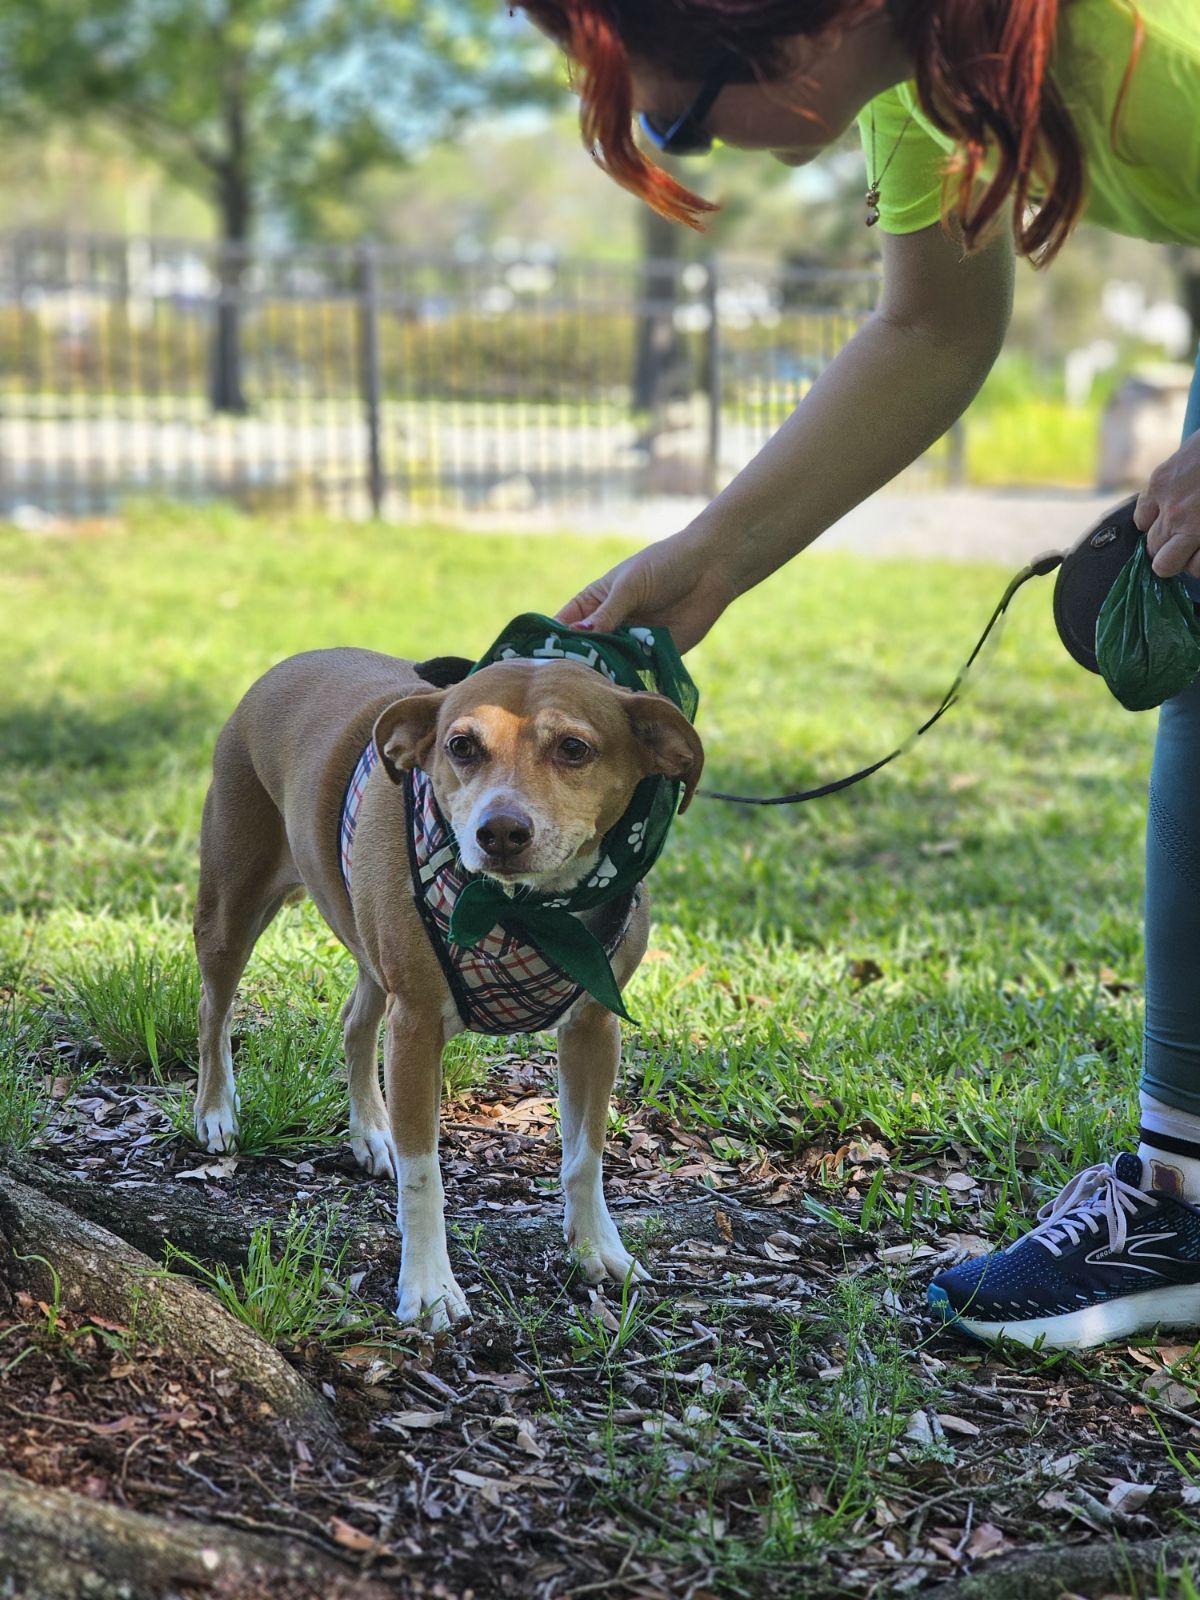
<point x="910" y="372"/>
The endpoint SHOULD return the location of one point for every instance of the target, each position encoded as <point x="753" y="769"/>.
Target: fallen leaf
<point x="224" y="1168"/>
<point x="1169" y="1354"/>
<point x="986" y="1540"/>
<point x="693" y="977"/>
<point x="352" y="1538"/>
<point x="416" y="1419"/>
<point x="490" y="1488"/>
<point x="511" y="1382"/>
<point x="918" y="1429"/>
<point x="1125" y="1497"/>
<point x="1144" y="1358"/>
<point x="953" y="1424"/>
<point x="121" y="1425"/>
<point x="905" y="1252"/>
<point x="1168" y="1391"/>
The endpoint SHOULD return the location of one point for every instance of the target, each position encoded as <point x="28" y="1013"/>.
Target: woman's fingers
<point x="584" y="606"/>
<point x="1177" y="553"/>
<point x="1145" y="511"/>
<point x="1168" y="512"/>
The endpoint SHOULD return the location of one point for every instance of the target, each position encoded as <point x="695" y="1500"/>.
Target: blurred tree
<point x="265" y="104"/>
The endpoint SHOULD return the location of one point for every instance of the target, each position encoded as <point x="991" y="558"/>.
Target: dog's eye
<point x="574" y="751"/>
<point x="462" y="747"/>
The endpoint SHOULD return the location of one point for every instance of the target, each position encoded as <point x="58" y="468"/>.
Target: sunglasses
<point x="686" y="136"/>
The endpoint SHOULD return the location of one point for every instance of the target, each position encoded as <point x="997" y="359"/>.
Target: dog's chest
<point x="505" y="983"/>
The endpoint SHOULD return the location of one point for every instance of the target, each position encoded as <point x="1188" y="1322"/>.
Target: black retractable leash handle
<point x="1086" y="572"/>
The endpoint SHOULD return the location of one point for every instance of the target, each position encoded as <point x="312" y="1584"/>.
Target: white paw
<point x="374" y="1151"/>
<point x="600" y="1252"/>
<point x="216" y="1130"/>
<point x="429" y="1294"/>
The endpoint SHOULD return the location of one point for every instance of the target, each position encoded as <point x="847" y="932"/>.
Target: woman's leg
<point x="1170" y="1147"/>
<point x="1119" y="1252"/>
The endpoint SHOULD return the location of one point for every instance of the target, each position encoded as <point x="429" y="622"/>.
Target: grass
<point x="950" y="950"/>
<point x="291" y="1082"/>
<point x="24" y="1104"/>
<point x="292" y="1288"/>
<point x="813" y="1445"/>
<point x="138" y="1009"/>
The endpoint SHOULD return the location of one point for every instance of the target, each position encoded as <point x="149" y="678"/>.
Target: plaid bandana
<point x="504" y="983"/>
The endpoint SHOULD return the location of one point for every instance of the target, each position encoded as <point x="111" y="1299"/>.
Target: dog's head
<point x="532" y="762"/>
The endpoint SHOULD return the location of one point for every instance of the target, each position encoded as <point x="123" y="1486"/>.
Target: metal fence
<point x="365" y="382"/>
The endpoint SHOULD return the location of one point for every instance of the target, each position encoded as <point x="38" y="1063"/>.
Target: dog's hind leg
<point x="246" y="873"/>
<point x="370" y="1132"/>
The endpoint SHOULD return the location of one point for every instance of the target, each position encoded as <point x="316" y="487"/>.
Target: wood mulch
<point x="561" y="1444"/>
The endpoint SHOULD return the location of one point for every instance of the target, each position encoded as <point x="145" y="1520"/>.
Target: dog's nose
<point x="504" y="833"/>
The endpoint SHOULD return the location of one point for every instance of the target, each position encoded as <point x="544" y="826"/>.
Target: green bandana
<point x="636" y="658"/>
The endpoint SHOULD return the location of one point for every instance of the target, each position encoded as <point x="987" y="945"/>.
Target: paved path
<point x="1004" y="526"/>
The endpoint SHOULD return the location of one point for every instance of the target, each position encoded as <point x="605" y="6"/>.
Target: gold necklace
<point x="876" y="181"/>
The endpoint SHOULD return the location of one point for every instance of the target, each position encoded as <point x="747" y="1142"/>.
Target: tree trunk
<point x="61" y="1546"/>
<point x="235" y="207"/>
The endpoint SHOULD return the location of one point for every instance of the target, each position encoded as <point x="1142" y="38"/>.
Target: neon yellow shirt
<point x="1148" y="186"/>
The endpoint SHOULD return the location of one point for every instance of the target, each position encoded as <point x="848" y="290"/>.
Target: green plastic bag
<point x="1147" y="635"/>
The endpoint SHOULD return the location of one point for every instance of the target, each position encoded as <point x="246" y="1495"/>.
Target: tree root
<point x="102" y="1275"/>
<point x="1103" y="1568"/>
<point x="60" y="1546"/>
<point x="148" y="1218"/>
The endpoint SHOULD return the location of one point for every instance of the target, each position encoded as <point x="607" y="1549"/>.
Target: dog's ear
<point x="405" y="731"/>
<point x="443" y="671"/>
<point x="672" y="743"/>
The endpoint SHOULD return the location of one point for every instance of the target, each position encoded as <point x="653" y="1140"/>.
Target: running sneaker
<point x="1107" y="1260"/>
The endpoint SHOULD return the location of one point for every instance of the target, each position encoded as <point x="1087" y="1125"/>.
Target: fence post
<point x="369" y="354"/>
<point x="713" y="376"/>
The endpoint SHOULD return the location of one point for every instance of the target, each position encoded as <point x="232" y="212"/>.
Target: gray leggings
<point x="1171" y="1070"/>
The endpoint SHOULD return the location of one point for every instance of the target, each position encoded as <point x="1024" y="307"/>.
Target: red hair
<point x="981" y="73"/>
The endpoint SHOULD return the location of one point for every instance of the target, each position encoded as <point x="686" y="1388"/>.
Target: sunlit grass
<point x="951" y="949"/>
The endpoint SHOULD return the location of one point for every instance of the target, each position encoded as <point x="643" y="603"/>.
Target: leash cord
<point x="1040" y="567"/>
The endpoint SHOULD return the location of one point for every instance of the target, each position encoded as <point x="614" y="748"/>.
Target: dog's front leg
<point x="589" y="1052"/>
<point x="412" y="1062"/>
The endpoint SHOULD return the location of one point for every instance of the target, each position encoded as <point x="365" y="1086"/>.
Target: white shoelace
<point x="1096" y="1195"/>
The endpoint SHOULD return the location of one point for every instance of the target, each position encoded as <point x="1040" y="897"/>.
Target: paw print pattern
<point x="644" y="637"/>
<point x="603" y="875"/>
<point x="637" y="836"/>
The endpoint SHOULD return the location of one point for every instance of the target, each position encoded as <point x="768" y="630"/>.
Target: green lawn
<point x="945" y="961"/>
<point x="987" y="885"/>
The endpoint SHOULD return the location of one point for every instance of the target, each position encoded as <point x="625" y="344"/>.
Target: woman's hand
<point x="674" y="584"/>
<point x="1168" y="512"/>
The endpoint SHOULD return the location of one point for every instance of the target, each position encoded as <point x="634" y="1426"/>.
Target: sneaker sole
<point x="1175" y="1307"/>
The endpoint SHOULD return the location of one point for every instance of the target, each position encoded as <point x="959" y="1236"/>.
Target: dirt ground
<point x="519" y="1457"/>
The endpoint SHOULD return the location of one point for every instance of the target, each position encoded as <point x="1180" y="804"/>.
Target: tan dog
<point x="531" y="762"/>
